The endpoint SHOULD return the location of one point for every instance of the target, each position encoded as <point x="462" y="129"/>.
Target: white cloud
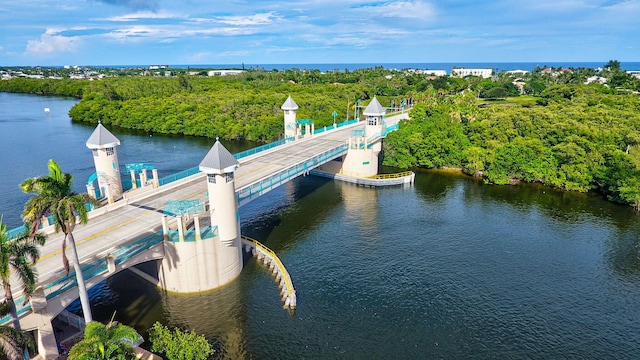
<point x="142" y="15"/>
<point x="401" y="9"/>
<point x="51" y="45"/>
<point x="135" y="32"/>
<point x="257" y="19"/>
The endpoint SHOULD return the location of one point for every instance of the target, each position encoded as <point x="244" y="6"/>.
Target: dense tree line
<point x="224" y="107"/>
<point x="570" y="135"/>
<point x="58" y="87"/>
<point x="583" y="139"/>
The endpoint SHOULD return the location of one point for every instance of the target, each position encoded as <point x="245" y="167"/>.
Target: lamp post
<point x="334" y="114"/>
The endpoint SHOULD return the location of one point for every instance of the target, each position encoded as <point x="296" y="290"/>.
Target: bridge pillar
<point x="105" y="157"/>
<point x="215" y="259"/>
<point x="46" y="344"/>
<point x="46" y="339"/>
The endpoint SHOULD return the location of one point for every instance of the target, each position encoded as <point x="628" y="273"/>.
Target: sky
<point x="192" y="32"/>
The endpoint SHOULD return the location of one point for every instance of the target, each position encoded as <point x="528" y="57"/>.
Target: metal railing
<point x="190" y="235"/>
<point x="391" y="176"/>
<point x="179" y="175"/>
<point x="89" y="271"/>
<point x="266" y="185"/>
<point x="127" y="184"/>
<point x="290" y="290"/>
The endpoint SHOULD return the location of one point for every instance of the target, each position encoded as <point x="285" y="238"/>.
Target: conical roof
<point x="374" y="108"/>
<point x="102" y="138"/>
<point x="289" y="104"/>
<point x="218" y="160"/>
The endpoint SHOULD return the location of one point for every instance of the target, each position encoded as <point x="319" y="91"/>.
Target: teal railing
<point x="89" y="271"/>
<point x="260" y="148"/>
<point x="247" y="194"/>
<point x="194" y="170"/>
<point x="179" y="175"/>
<point x="190" y="235"/>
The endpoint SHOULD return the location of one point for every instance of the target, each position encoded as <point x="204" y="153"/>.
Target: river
<point x="447" y="268"/>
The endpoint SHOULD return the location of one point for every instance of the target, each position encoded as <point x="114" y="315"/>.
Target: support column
<point x="143" y="177"/>
<point x="156" y="180"/>
<point x="165" y="228"/>
<point x="196" y="225"/>
<point x="91" y="190"/>
<point x="107" y="190"/>
<point x="180" y="229"/>
<point x="134" y="184"/>
<point x="46" y="339"/>
<point x="45" y="336"/>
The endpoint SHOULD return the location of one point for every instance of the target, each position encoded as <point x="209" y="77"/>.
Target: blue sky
<point x="128" y="32"/>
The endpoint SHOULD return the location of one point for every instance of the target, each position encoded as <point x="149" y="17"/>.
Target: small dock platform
<point x="406" y="177"/>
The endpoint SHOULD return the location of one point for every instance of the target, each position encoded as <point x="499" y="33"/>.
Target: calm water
<point x="448" y="268"/>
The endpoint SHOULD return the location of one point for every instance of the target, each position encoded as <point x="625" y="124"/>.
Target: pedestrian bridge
<point x="129" y="232"/>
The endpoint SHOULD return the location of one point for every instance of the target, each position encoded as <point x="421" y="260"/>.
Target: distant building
<point x="552" y="72"/>
<point x="520" y="84"/>
<point x="598" y="79"/>
<point x="634" y="73"/>
<point x="435" y="72"/>
<point x="224" y="72"/>
<point x="462" y="72"/>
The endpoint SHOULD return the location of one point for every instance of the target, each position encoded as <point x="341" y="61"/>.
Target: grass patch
<point x="523" y="100"/>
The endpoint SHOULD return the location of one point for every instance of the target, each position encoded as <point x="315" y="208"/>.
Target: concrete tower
<point x="374" y="115"/>
<point x="213" y="257"/>
<point x="220" y="165"/>
<point x="362" y="157"/>
<point x="103" y="145"/>
<point x="290" y="122"/>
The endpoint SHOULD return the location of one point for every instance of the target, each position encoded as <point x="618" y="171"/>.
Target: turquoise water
<point x="447" y="268"/>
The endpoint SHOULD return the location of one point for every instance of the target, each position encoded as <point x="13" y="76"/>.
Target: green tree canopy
<point x="179" y="345"/>
<point x="53" y="195"/>
<point x="18" y="255"/>
<point x="105" y="342"/>
<point x="13" y="342"/>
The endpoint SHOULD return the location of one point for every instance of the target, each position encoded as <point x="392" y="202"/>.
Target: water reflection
<point x="219" y="315"/>
<point x="623" y="253"/>
<point x="286" y="214"/>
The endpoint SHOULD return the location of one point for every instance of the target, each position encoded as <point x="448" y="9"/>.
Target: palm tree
<point x="12" y="343"/>
<point x="18" y="255"/>
<point x="111" y="341"/>
<point x="55" y="197"/>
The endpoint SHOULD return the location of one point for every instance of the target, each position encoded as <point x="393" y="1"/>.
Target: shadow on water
<point x="623" y="252"/>
<point x="298" y="204"/>
<point x="219" y="315"/>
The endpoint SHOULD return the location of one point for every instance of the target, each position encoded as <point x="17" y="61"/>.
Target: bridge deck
<point x="122" y="223"/>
